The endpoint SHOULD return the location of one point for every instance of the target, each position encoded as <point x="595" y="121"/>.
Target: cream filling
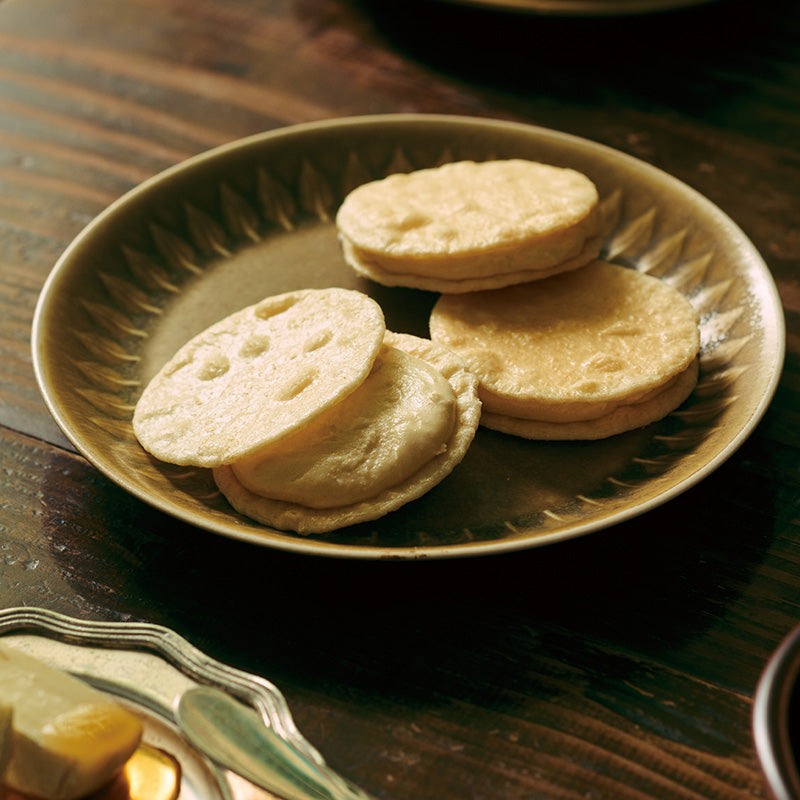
<point x="394" y="423"/>
<point x="566" y="411"/>
<point x="542" y="252"/>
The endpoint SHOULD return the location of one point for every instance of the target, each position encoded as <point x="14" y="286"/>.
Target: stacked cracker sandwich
<point x="310" y="413"/>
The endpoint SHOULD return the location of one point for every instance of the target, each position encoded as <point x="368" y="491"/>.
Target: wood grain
<point x="528" y="673"/>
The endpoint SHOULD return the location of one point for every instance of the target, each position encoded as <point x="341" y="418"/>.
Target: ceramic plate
<point x="255" y="218"/>
<point x="146" y="668"/>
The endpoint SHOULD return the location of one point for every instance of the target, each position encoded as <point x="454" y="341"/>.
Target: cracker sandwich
<point x="583" y="355"/>
<point x="468" y="226"/>
<point x="310" y="413"/>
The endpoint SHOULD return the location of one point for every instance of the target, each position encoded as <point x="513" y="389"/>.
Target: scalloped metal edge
<point x="258" y="692"/>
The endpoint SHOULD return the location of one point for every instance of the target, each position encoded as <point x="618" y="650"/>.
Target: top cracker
<point x="259" y="375"/>
<point x="471" y="224"/>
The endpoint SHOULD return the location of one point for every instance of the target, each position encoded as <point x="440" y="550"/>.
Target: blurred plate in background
<point x="581" y="8"/>
<point x="776" y="720"/>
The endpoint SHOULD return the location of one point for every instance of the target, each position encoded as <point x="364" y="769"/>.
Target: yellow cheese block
<point x="67" y="739"/>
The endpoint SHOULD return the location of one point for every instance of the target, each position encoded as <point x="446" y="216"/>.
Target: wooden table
<point x="617" y="665"/>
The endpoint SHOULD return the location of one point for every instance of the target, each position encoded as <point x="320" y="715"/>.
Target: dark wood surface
<point x="619" y="665"/>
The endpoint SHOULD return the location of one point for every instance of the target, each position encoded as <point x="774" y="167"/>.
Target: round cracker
<point x="570" y="347"/>
<point x="301" y="519"/>
<point x="619" y="420"/>
<point x="467" y="220"/>
<point x="258" y="375"/>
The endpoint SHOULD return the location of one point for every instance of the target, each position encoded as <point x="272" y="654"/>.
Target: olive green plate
<point x="255" y="218"/>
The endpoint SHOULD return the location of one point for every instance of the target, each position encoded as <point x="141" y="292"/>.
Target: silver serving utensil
<point x="235" y="737"/>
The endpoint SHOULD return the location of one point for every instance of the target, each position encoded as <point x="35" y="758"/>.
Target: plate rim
<point x="314" y="546"/>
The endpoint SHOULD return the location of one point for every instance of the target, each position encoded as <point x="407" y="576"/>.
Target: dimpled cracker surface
<point x="259" y="375"/>
<point x="466" y="219"/>
<point x="571" y="347"/>
<point x="284" y="515"/>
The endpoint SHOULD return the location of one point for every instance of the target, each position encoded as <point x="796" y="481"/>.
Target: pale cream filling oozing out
<point x="400" y="418"/>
